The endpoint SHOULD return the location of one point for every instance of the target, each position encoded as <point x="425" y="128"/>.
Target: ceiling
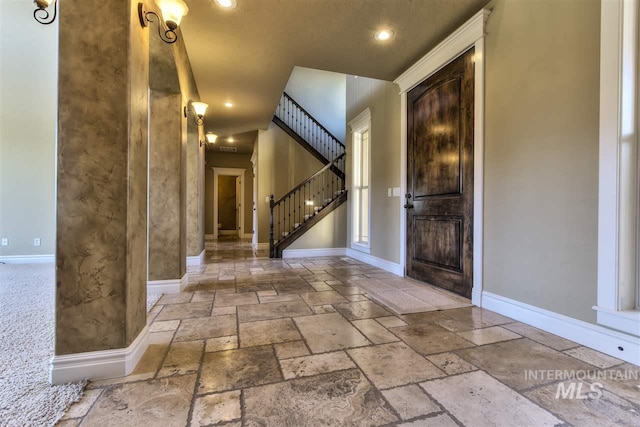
<point x="245" y="55"/>
<point x="243" y="142"/>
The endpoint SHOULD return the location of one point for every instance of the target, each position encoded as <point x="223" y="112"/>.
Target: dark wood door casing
<point x="440" y="113"/>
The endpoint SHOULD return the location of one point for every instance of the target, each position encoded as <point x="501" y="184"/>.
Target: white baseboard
<point x="306" y="253"/>
<point x="174" y="286"/>
<point x="96" y="365"/>
<point x="195" y="260"/>
<point x="28" y="259"/>
<point x="258" y="246"/>
<point x="597" y="337"/>
<point x="389" y="266"/>
<point x="476" y="296"/>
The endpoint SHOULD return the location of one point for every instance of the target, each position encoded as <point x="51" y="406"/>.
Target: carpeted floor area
<point x="27" y="295"/>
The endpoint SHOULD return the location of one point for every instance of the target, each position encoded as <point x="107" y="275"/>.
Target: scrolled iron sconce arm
<point x="42" y="15"/>
<point x="169" y="35"/>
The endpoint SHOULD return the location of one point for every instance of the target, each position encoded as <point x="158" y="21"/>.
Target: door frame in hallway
<point x="470" y="34"/>
<point x="237" y="172"/>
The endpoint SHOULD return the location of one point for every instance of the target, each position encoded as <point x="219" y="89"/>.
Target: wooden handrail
<point x="311" y="178"/>
<point x="286" y="95"/>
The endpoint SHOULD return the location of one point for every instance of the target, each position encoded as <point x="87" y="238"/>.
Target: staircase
<point x="310" y="201"/>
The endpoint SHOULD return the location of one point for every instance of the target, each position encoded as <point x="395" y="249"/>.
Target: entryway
<point x="228" y="197"/>
<point x="439" y="198"/>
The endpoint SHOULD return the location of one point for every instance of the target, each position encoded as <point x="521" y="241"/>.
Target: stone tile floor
<point x="260" y="342"/>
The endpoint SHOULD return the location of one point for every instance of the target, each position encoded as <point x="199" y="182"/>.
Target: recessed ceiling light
<point x="230" y="139"/>
<point x="383" y="34"/>
<point x="227" y="4"/>
<point x="228" y="104"/>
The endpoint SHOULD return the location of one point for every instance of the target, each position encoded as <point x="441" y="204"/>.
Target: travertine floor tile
<point x="279" y="298"/>
<point x="183" y="358"/>
<point x="442" y="420"/>
<point x="464" y="319"/>
<point x="392" y="365"/>
<point x="226" y="300"/>
<point x="357" y="297"/>
<point x="291" y="349"/>
<point x="221" y="343"/>
<point x="322" y="298"/>
<point x="342" y="398"/>
<point x="593" y="357"/>
<point x="450" y="363"/>
<point x="210" y="327"/>
<point x="180" y="298"/>
<point x="316" y="364"/>
<point x="273" y="310"/>
<point x="164" y="326"/>
<point x="607" y="410"/>
<point x="542" y="337"/>
<point x="375" y="332"/>
<point x="322" y="309"/>
<point x="234" y="369"/>
<point x="488" y="335"/>
<point x="429" y="338"/>
<point x="203" y="296"/>
<point x="329" y="332"/>
<point x="486" y="402"/>
<point x="184" y="311"/>
<point x="410" y="401"/>
<point x="80" y="409"/>
<point x="391" y="322"/>
<point x="623" y="381"/>
<point x="158" y="403"/>
<point x="361" y="310"/>
<point x="268" y="332"/>
<point x="292" y="287"/>
<point x="216" y="408"/>
<point x="508" y="361"/>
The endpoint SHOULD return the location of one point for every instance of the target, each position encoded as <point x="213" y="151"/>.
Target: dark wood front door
<point x="440" y="178"/>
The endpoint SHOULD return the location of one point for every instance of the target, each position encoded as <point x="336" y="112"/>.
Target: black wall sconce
<point x="42" y="15"/>
<point x="172" y="12"/>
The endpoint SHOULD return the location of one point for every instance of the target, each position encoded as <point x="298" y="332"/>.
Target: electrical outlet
<point x="36" y="241"/>
<point x="5" y="241"/>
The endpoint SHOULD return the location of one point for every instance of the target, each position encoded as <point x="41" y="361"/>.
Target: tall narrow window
<point x="360" y="195"/>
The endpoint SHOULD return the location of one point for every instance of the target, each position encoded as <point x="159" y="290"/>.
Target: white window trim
<point x="618" y="181"/>
<point x="358" y="124"/>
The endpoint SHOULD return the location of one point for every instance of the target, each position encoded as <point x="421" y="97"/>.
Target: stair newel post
<point x="271" y="245"/>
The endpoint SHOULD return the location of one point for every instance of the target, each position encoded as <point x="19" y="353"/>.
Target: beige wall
<point x="226" y="160"/>
<point x="28" y="117"/>
<point x="541" y="154"/>
<point x="329" y="232"/>
<point x="384" y="101"/>
<point x="282" y="164"/>
<point x="321" y="93"/>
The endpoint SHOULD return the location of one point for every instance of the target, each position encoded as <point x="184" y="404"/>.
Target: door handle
<point x="408" y="205"/>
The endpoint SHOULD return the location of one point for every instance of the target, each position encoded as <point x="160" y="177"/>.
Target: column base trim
<point x="195" y="260"/>
<point x="597" y="337"/>
<point x="173" y="286"/>
<point x="97" y="365"/>
<point x="28" y="259"/>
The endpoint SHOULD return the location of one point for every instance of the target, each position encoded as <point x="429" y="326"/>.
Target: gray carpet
<point x="27" y="295"/>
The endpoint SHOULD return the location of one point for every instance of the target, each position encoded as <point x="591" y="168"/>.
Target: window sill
<point x="627" y="321"/>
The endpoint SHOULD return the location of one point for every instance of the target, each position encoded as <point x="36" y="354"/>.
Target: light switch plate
<point x="396" y="191"/>
<point x="36" y="241"/>
<point x="5" y="241"/>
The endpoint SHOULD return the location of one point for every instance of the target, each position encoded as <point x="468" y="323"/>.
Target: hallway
<point x="255" y="341"/>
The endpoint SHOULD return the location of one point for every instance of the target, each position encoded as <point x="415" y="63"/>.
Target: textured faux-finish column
<point x="195" y="191"/>
<point x="101" y="255"/>
<point x="165" y="162"/>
